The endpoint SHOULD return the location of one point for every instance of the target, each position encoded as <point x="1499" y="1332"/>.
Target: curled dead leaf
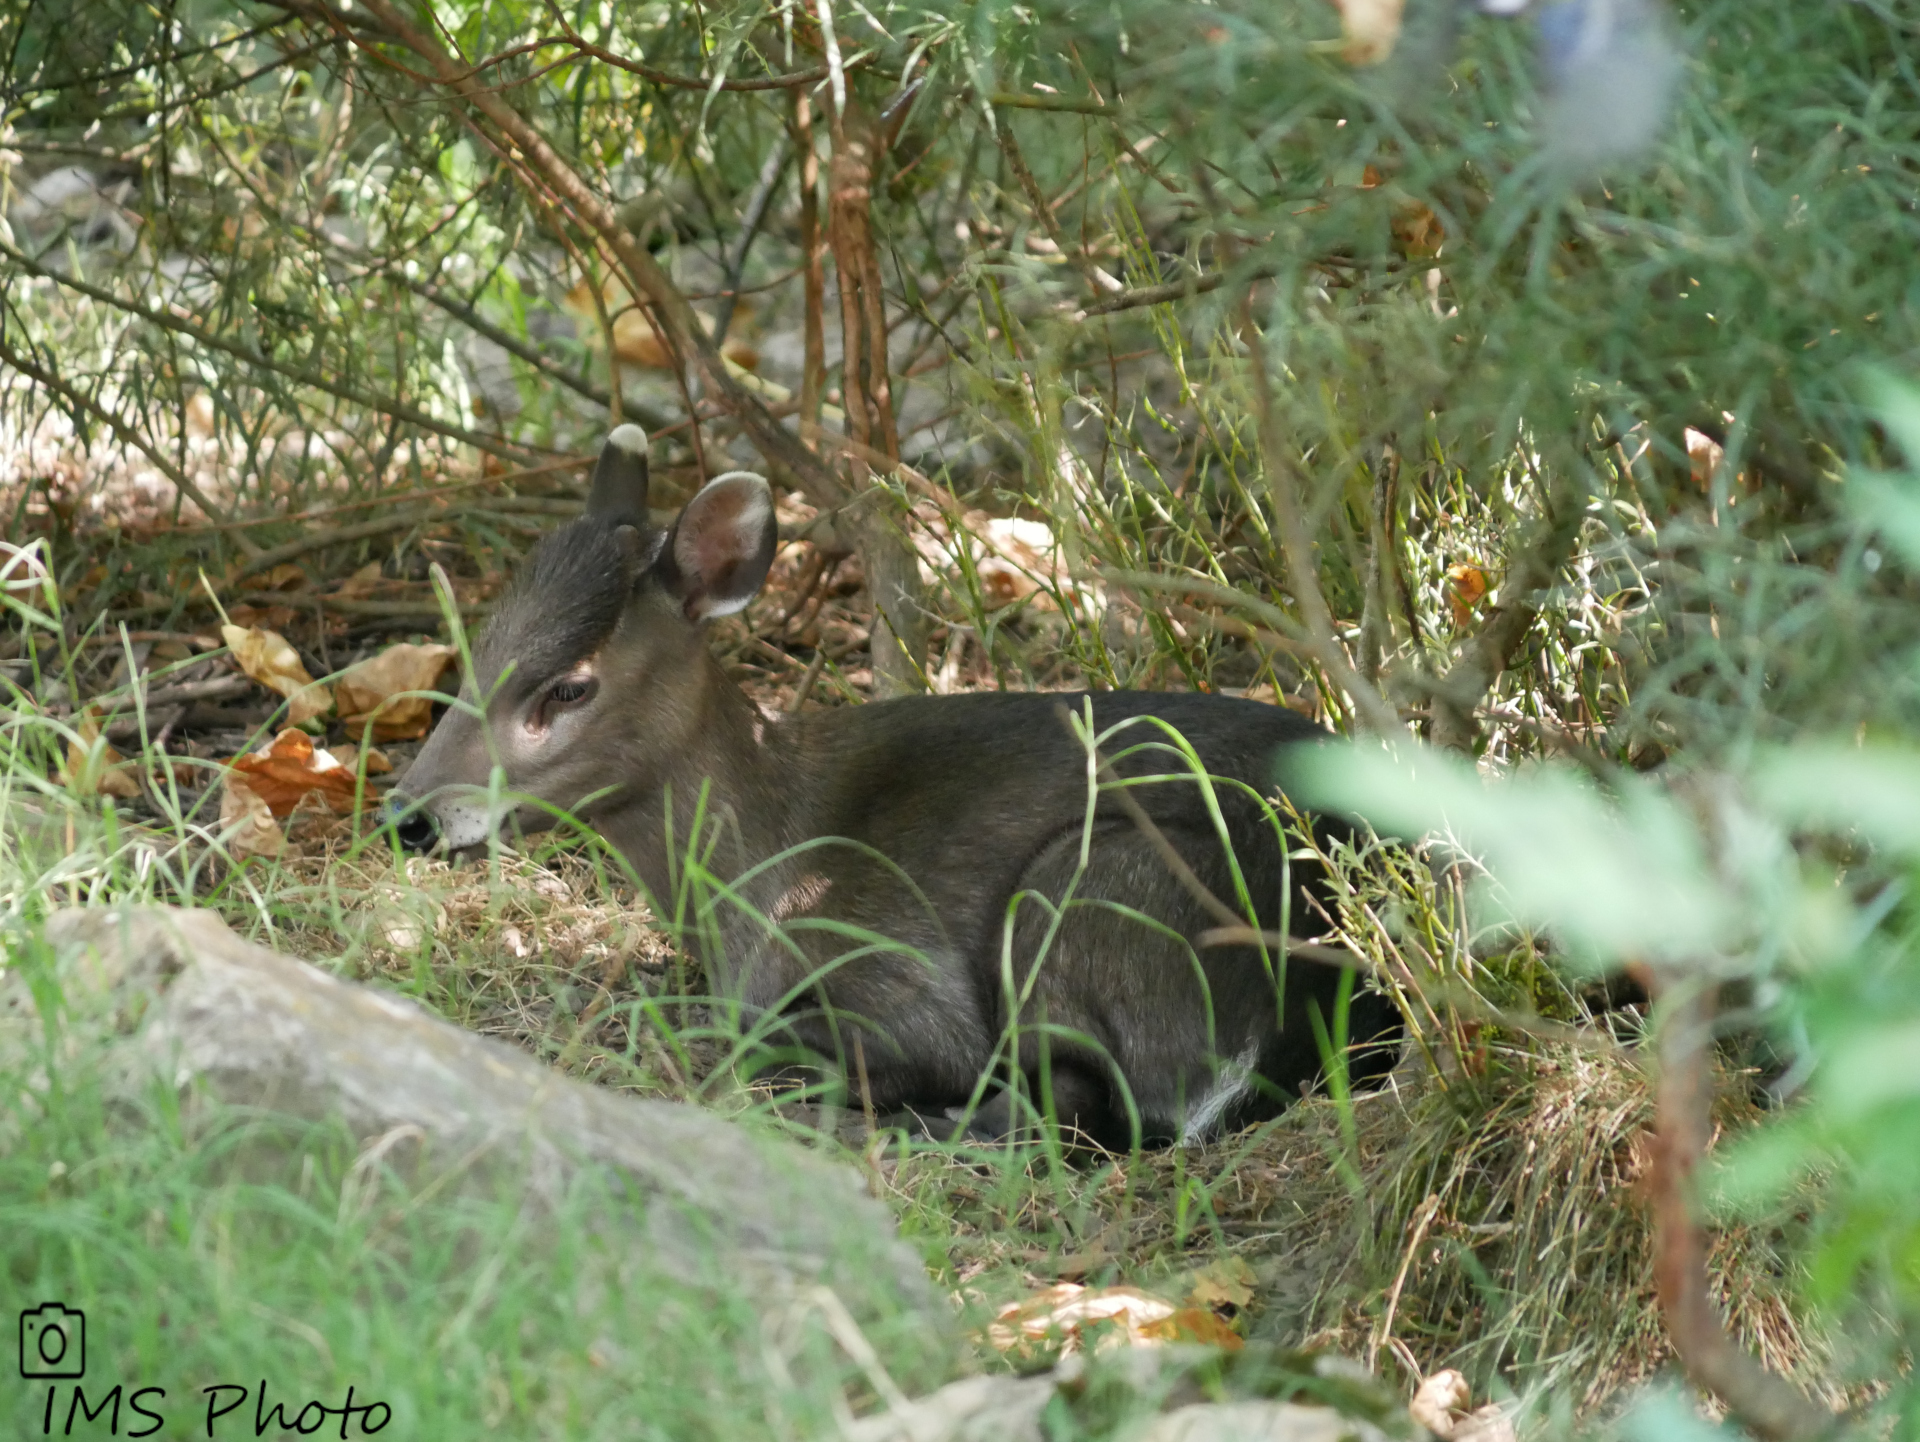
<point x="286" y="771"/>
<point x="1441" y="1401"/>
<point x="1467" y="587"/>
<point x="1067" y="1317"/>
<point x="93" y="768"/>
<point x="1443" y="1404"/>
<point x="247" y="821"/>
<point x="347" y="753"/>
<point x="376" y="692"/>
<point x="1012" y="558"/>
<point x="1704" y="455"/>
<point x="268" y="658"/>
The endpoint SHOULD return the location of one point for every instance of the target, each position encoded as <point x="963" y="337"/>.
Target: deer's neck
<point x="741" y="773"/>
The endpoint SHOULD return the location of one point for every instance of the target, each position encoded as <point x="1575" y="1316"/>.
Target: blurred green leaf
<point x="1874" y="790"/>
<point x="1616" y="878"/>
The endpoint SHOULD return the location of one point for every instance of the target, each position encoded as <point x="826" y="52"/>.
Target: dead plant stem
<point x="1303" y="576"/>
<point x="1767" y="1404"/>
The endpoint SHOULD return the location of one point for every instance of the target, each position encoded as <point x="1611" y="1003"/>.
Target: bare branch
<point x="799" y="80"/>
<point x="385" y="405"/>
<point x="683" y="327"/>
<point x="128" y="436"/>
<point x="1767" y="1404"/>
<point x="1159" y="294"/>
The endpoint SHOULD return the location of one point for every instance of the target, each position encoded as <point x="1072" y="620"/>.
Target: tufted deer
<point x="959" y="824"/>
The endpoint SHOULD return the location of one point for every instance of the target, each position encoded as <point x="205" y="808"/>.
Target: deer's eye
<point x="568" y="691"/>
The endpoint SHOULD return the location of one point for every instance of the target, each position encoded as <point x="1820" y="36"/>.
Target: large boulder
<point x="174" y="994"/>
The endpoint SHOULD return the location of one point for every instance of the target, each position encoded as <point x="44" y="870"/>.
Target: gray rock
<point x="1132" y="1385"/>
<point x="175" y="993"/>
<point x="1253" y="1421"/>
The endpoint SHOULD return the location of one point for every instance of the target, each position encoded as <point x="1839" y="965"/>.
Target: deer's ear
<point x="619" y="489"/>
<point x="722" y="545"/>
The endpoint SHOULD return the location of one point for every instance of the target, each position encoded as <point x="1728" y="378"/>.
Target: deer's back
<point x="962" y="792"/>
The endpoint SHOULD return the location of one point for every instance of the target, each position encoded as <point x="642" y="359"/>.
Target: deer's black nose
<point x="415" y="829"/>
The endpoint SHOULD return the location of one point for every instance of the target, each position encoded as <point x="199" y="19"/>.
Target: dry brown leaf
<point x="1485" y="1424"/>
<point x="264" y="618"/>
<point x="1371" y="27"/>
<point x="1441" y="1401"/>
<point x="1466" y="588"/>
<point x="347" y="753"/>
<point x="1441" y="1405"/>
<point x="94" y="768"/>
<point x="366" y="692"/>
<point x="1013" y="557"/>
<point x="247" y="820"/>
<point x="290" y="768"/>
<point x="1417" y="231"/>
<point x="284" y="577"/>
<point x="363" y="582"/>
<point x="268" y="658"/>
<point x="1067" y="1316"/>
<point x="1222" y="1285"/>
<point x="1704" y="455"/>
<point x="635" y="340"/>
<point x="1189" y="1324"/>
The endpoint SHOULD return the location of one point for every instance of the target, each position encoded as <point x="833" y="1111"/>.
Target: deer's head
<point x="589" y="681"/>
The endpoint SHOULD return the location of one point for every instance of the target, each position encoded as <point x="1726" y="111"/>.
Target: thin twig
<point x="1017" y="101"/>
<point x="750" y="222"/>
<point x="396" y="498"/>
<point x="1159" y="294"/>
<point x="1767" y="1404"/>
<point x="797" y="80"/>
<point x="682" y="324"/>
<point x="1303" y="576"/>
<point x="181" y="480"/>
<point x="1244" y="935"/>
<point x="1097" y="279"/>
<point x="385" y="405"/>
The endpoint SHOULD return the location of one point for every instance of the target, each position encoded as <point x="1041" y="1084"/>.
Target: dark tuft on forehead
<point x="562" y="605"/>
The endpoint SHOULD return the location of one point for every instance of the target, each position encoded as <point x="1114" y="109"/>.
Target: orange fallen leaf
<point x="268" y="658"/>
<point x="247" y="821"/>
<point x="290" y="768"/>
<point x="1188" y="1324"/>
<point x="635" y="340"/>
<point x="376" y="691"/>
<point x="1417" y="231"/>
<point x="1466" y="588"/>
<point x="1068" y="1316"/>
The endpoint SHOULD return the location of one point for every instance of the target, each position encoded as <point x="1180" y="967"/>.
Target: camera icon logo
<point x="53" y="1342"/>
